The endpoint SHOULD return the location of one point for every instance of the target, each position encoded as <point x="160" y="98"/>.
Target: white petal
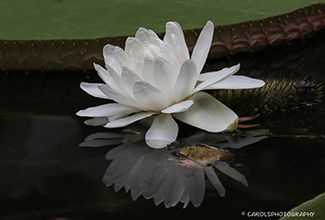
<point x="128" y="79"/>
<point x="164" y="77"/>
<point x="107" y="110"/>
<point x="208" y="114"/>
<point x="119" y="98"/>
<point x="142" y="34"/>
<point x="106" y="76"/>
<point x="122" y="59"/>
<point x="202" y="46"/>
<point x="237" y="82"/>
<point x="208" y="75"/>
<point x="150" y="97"/>
<point x="120" y="85"/>
<point x="109" y="56"/>
<point x="186" y="80"/>
<point x="163" y="131"/>
<point x="154" y="39"/>
<point x="179" y="107"/>
<point x="132" y="48"/>
<point x="217" y="77"/>
<point x="128" y="120"/>
<point x="175" y="37"/>
<point x="147" y="71"/>
<point x="167" y="53"/>
<point x="92" y="89"/>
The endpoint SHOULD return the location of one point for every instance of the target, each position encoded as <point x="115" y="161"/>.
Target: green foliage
<point x="259" y="132"/>
<point x="315" y="205"/>
<point x="82" y="19"/>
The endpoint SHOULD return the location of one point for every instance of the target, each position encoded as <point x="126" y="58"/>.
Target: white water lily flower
<point x="158" y="78"/>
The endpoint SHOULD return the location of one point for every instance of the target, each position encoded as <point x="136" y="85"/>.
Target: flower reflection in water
<point x="162" y="174"/>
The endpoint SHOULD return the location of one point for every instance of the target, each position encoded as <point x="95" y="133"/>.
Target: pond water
<point x="46" y="175"/>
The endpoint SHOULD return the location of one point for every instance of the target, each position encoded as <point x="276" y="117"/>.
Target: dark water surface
<point x="45" y="175"/>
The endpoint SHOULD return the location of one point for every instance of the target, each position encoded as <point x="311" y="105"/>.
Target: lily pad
<point x="315" y="206"/>
<point x="259" y="132"/>
<point x="83" y="19"/>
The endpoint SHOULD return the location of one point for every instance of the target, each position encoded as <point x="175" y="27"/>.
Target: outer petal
<point x="208" y="75"/>
<point x="108" y="79"/>
<point x="117" y="97"/>
<point x="202" y="46"/>
<point x="217" y="77"/>
<point x="179" y="107"/>
<point x="92" y="89"/>
<point x="149" y="97"/>
<point x="107" y="110"/>
<point x="163" y="131"/>
<point x="186" y="80"/>
<point x="208" y="114"/>
<point x="128" y="120"/>
<point x="237" y="82"/>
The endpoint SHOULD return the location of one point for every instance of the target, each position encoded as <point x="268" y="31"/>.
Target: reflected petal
<point x="194" y="184"/>
<point x="171" y="191"/>
<point x="215" y="180"/>
<point x="100" y="143"/>
<point x="97" y="121"/>
<point x="226" y="169"/>
<point x="128" y="120"/>
<point x="127" y="151"/>
<point x="240" y="142"/>
<point x="104" y="135"/>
